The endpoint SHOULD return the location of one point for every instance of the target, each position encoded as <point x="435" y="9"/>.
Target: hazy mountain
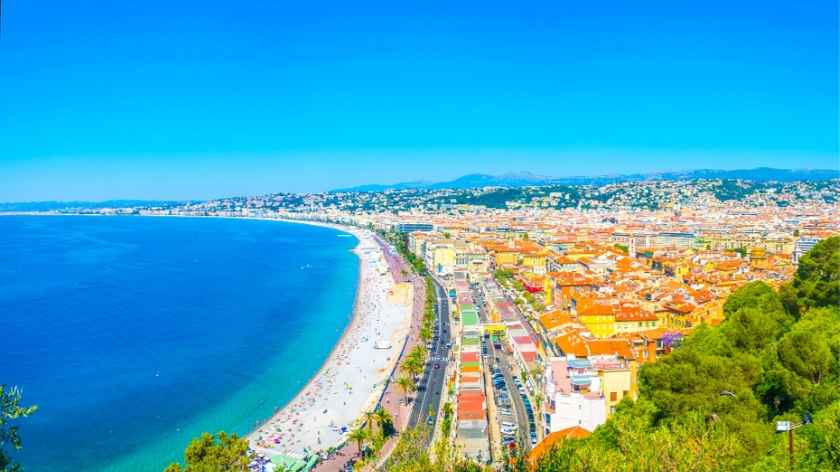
<point x="523" y="179"/>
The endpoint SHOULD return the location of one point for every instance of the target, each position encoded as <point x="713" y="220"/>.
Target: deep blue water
<point x="135" y="334"/>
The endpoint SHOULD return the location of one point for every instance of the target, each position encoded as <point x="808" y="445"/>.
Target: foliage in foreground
<point x="709" y="406"/>
<point x="10" y="411"/>
<point x="712" y="404"/>
<point x="219" y="453"/>
<point x="412" y="455"/>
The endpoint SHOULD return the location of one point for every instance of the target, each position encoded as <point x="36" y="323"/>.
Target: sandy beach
<point x="354" y="375"/>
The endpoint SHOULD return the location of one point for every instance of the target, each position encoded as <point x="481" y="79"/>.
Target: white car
<point x="507" y="425"/>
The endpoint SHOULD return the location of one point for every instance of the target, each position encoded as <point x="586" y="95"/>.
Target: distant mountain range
<point x="524" y="179"/>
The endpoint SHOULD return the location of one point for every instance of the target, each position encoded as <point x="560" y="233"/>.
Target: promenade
<point x="392" y="399"/>
<point x="355" y="374"/>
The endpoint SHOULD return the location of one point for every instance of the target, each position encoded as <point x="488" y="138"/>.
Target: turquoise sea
<point x="136" y="334"/>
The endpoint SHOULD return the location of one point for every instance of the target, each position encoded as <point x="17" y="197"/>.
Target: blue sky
<point x="197" y="99"/>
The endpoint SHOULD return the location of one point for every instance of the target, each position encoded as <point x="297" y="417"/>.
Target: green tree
<point x="817" y="279"/>
<point x="710" y="405"/>
<point x="360" y="436"/>
<point x="209" y="453"/>
<point x="756" y="317"/>
<point x="385" y="422"/>
<point x="809" y="349"/>
<point x="410" y="453"/>
<point x="11" y="411"/>
<point x="407" y="386"/>
<point x="823" y="437"/>
<point x="369" y="416"/>
<point x="412" y="366"/>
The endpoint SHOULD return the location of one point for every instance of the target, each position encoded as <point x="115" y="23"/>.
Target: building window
<point x="613" y="396"/>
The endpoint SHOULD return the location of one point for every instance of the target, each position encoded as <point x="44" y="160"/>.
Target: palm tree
<point x="536" y="374"/>
<point x="412" y="366"/>
<point x="359" y="435"/>
<point x="538" y="400"/>
<point x="416" y="367"/>
<point x="384" y="419"/>
<point x="369" y="415"/>
<point x="406" y="385"/>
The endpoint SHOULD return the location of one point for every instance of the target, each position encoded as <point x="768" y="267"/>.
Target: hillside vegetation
<point x="712" y="404"/>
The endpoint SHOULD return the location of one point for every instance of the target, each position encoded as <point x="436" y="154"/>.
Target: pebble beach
<point x="353" y="377"/>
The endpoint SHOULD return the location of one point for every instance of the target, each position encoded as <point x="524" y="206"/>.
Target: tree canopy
<point x="214" y="453"/>
<point x="712" y="403"/>
<point x="817" y="280"/>
<point x="11" y="411"/>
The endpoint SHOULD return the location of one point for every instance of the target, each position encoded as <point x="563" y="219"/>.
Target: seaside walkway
<point x="392" y="399"/>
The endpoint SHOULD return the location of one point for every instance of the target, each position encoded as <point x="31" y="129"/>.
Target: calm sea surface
<point x="135" y="334"/>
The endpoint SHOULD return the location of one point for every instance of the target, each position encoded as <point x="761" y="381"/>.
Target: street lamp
<point x="789" y="426"/>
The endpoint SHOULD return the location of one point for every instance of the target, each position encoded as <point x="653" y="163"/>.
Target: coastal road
<point x="431" y="384"/>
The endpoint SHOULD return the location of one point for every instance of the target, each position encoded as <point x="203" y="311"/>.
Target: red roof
<point x="522" y="339"/>
<point x="471" y="395"/>
<point x="469" y="357"/>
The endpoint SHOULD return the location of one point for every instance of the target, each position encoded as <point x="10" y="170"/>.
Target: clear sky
<point x="197" y="99"/>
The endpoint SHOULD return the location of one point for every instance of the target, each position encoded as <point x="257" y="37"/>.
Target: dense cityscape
<point x="263" y="236"/>
<point x="558" y="295"/>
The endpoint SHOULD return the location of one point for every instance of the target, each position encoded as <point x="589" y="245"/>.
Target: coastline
<point x="373" y="302"/>
<point x="289" y="431"/>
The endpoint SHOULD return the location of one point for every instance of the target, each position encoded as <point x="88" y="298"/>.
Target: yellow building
<point x="758" y="259"/>
<point x="633" y="320"/>
<point x="710" y="313"/>
<point x="600" y="325"/>
<point x="443" y="259"/>
<point x="506" y="258"/>
<point x="548" y="290"/>
<point x="494" y="328"/>
<point x="616" y="384"/>
<point x="535" y="262"/>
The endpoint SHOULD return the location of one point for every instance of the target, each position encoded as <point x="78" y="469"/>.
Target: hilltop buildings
<point x="577" y="286"/>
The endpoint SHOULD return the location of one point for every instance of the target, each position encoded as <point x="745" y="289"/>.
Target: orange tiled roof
<point x="572" y="343"/>
<point x="555" y="319"/>
<point x="605" y="347"/>
<point x="575" y="432"/>
<point x="594" y="308"/>
<point x="633" y="313"/>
